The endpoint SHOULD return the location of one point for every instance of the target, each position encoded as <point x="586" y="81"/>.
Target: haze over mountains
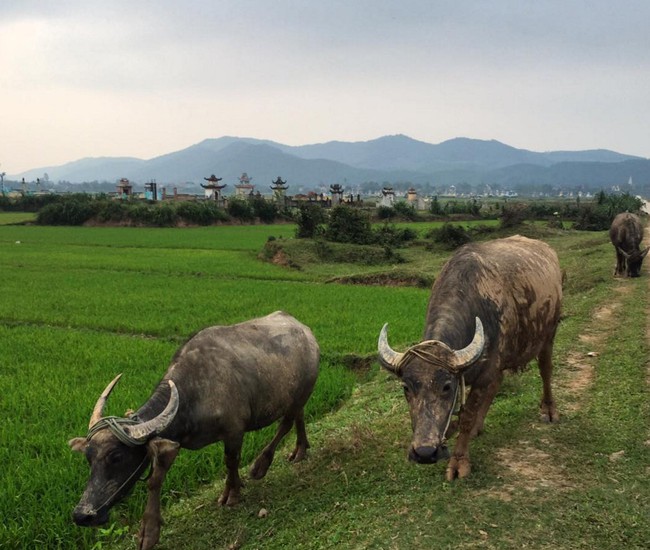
<point x="396" y="159"/>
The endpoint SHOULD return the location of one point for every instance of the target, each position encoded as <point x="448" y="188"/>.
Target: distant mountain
<point x="403" y="153"/>
<point x="395" y="159"/>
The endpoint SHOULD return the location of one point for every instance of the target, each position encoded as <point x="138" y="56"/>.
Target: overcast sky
<point x="86" y="78"/>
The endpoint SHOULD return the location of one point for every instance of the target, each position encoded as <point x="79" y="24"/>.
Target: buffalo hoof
<point x="298" y="454"/>
<point x="148" y="535"/>
<point x="459" y="467"/>
<point x="260" y="467"/>
<point x="229" y="497"/>
<point x="548" y="413"/>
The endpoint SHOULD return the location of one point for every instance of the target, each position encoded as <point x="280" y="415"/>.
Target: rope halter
<point x="115" y="425"/>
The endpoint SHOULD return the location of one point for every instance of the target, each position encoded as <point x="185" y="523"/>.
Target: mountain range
<point x="396" y="159"/>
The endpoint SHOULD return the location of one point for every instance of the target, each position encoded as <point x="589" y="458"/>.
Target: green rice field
<point x="80" y="305"/>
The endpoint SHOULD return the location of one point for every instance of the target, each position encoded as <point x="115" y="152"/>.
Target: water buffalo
<point x="626" y="234"/>
<point x="223" y="382"/>
<point x="494" y="307"/>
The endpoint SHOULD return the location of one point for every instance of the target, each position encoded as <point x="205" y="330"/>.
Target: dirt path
<point x="527" y="466"/>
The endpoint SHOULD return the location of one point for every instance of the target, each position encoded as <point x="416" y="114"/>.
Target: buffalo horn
<point x="99" y="406"/>
<point x="624" y="254"/>
<point x="643" y="254"/>
<point x="388" y="357"/>
<point x="143" y="431"/>
<point x="468" y="355"/>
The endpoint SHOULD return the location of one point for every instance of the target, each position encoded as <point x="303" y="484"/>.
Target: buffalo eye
<point x="114" y="458"/>
<point x="407" y="391"/>
<point x="446" y="388"/>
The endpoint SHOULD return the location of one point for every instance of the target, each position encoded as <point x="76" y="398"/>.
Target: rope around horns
<point x="425" y="351"/>
<point x="114" y="424"/>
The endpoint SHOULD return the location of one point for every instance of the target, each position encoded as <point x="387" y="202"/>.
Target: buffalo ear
<point x="162" y="451"/>
<point x="78" y="444"/>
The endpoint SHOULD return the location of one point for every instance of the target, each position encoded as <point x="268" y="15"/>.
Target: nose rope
<point x="424" y="351"/>
<point x="463" y="397"/>
<point x="128" y="479"/>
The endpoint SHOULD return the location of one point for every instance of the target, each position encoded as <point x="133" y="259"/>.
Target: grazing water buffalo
<point x="626" y="234"/>
<point x="223" y="382"/>
<point x="494" y="307"/>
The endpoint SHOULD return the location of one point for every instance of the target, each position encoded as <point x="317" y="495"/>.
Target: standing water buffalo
<point x="223" y="382"/>
<point x="626" y="234"/>
<point x="494" y="307"/>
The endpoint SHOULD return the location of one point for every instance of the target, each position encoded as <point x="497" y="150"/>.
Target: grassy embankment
<point x="81" y="304"/>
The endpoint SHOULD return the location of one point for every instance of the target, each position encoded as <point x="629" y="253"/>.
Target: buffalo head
<point x="431" y="374"/>
<point x="633" y="261"/>
<point x="118" y="451"/>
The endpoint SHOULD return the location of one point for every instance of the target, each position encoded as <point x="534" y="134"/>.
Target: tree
<point x="348" y="225"/>
<point x="310" y="217"/>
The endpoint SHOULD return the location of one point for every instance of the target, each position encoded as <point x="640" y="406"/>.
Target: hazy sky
<point x="82" y="78"/>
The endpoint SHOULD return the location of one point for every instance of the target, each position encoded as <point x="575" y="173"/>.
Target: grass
<point x="533" y="485"/>
<point x="81" y="304"/>
<point x="8" y="218"/>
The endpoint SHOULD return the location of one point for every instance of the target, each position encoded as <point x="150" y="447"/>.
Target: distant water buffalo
<point x="626" y="234"/>
<point x="494" y="307"/>
<point x="223" y="382"/>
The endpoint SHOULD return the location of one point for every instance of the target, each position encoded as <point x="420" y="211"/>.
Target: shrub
<point x="451" y="236"/>
<point x="309" y="219"/>
<point x="163" y="215"/>
<point x="265" y="210"/>
<point x="389" y="235"/>
<point x="435" y="207"/>
<point x="33" y="203"/>
<point x="200" y="213"/>
<point x="348" y="225"/>
<point x="67" y="212"/>
<point x="241" y="209"/>
<point x="405" y="210"/>
<point x="599" y="217"/>
<point x="386" y="213"/>
<point x="593" y="218"/>
<point x="112" y="211"/>
<point x="513" y="215"/>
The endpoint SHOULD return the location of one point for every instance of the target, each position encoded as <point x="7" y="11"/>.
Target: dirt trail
<point x="528" y="467"/>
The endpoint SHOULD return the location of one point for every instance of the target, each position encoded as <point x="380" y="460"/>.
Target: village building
<point x="388" y="197"/>
<point x="124" y="188"/>
<point x="336" y="189"/>
<point x="213" y="188"/>
<point x="279" y="187"/>
<point x="244" y="188"/>
<point x="417" y="202"/>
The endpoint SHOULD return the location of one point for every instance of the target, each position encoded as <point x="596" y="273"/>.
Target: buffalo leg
<point x="302" y="444"/>
<point x="620" y="264"/>
<point x="263" y="461"/>
<point x="484" y="406"/>
<point x="163" y="453"/>
<point x="547" y="409"/>
<point x="470" y="423"/>
<point x="232" y="450"/>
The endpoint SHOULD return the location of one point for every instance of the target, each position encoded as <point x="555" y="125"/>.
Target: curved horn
<point x="621" y="251"/>
<point x="468" y="355"/>
<point x="388" y="358"/>
<point x="99" y="406"/>
<point x="143" y="431"/>
<point x="643" y="254"/>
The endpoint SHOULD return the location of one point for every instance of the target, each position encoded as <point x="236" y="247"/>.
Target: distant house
<point x="388" y="197"/>
<point x="244" y="188"/>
